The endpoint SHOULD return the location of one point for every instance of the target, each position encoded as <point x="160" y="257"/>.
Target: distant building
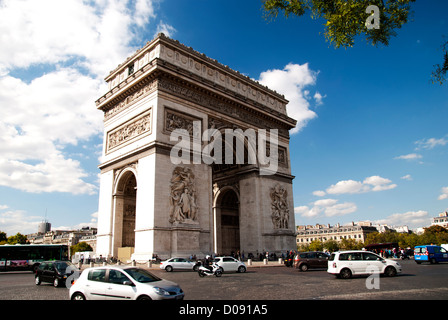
<point x="44" y="227"/>
<point x="441" y="220"/>
<point x="357" y="231"/>
<point x="69" y="237"/>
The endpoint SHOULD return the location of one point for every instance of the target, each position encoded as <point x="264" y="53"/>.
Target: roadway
<point x="417" y="282"/>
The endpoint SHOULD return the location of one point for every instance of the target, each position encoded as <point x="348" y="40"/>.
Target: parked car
<point x="230" y="264"/>
<point x="344" y="264"/>
<point x="178" y="264"/>
<point x="55" y="272"/>
<point x="430" y="253"/>
<point x="123" y="283"/>
<point x="313" y="259"/>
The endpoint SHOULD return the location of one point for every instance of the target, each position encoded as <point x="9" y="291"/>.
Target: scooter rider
<point x="208" y="263"/>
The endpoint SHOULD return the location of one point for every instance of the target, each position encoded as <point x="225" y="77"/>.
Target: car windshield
<point x="141" y="275"/>
<point x="64" y="267"/>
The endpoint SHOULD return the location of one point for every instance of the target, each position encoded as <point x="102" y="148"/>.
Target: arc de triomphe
<point x="161" y="98"/>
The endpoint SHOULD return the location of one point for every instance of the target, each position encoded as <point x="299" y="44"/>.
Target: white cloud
<point x="406" y="177"/>
<point x="327" y="207"/>
<point x="98" y="33"/>
<point x="412" y="219"/>
<point x="165" y="29"/>
<point x="378" y="183"/>
<point x="43" y="117"/>
<point x="410" y="156"/>
<point x="72" y="44"/>
<point x="13" y="221"/>
<point x="430" y="143"/>
<point x="291" y="82"/>
<point x="444" y="194"/>
<point x="347" y="186"/>
<point x="370" y="184"/>
<point x="318" y="98"/>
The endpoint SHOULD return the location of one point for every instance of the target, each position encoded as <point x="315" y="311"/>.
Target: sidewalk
<point x="156" y="266"/>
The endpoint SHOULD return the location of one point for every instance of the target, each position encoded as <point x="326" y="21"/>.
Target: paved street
<point x="268" y="283"/>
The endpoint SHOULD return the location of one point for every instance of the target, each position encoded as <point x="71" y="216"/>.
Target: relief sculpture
<point x="279" y="207"/>
<point x="183" y="206"/>
<point x="129" y="131"/>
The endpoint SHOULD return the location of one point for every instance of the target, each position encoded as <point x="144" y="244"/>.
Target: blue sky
<point x="372" y="139"/>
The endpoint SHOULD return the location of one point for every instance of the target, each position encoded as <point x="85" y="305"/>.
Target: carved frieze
<point x="177" y="120"/>
<point x="129" y="131"/>
<point x="279" y="207"/>
<point x="131" y="99"/>
<point x="219" y="105"/>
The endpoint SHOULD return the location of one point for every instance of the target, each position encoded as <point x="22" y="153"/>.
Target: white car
<point x="344" y="264"/>
<point x="122" y="283"/>
<point x="230" y="264"/>
<point x="178" y="264"/>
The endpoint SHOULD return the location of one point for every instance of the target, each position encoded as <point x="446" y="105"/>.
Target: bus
<point x="29" y="256"/>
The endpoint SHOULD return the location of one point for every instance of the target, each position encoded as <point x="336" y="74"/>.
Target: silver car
<point x="122" y="283"/>
<point x="178" y="264"/>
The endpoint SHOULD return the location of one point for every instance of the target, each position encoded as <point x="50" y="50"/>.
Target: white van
<point x="84" y="256"/>
<point x="344" y="264"/>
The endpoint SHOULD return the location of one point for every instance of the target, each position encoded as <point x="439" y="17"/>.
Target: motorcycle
<point x="216" y="271"/>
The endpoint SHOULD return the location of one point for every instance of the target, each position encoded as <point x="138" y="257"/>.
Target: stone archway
<point x="125" y="199"/>
<point x="175" y="89"/>
<point x="227" y="222"/>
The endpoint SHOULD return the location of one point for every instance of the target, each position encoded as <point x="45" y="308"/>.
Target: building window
<point x="130" y="69"/>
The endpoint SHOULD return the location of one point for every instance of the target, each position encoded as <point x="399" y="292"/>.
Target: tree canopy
<point x="345" y="20"/>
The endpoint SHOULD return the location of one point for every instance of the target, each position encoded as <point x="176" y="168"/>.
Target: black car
<point x="55" y="272"/>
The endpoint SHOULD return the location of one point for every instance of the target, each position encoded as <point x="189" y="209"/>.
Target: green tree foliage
<point x="346" y="19"/>
<point x="331" y="245"/>
<point x="433" y="235"/>
<point x="3" y="237"/>
<point x="440" y="73"/>
<point x="316" y="245"/>
<point x="80" y="247"/>
<point x="17" y="239"/>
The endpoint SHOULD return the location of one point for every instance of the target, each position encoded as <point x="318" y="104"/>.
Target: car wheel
<point x="242" y="269"/>
<point x="304" y="267"/>
<point x="143" y="298"/>
<point x="169" y="269"/>
<point x="195" y="268"/>
<point x="390" y="272"/>
<point x="345" y="273"/>
<point x="78" y="296"/>
<point x="56" y="282"/>
<point x="37" y="280"/>
<point x="433" y="261"/>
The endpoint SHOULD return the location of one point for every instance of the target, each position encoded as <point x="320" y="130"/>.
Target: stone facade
<point x="319" y="232"/>
<point x="157" y="206"/>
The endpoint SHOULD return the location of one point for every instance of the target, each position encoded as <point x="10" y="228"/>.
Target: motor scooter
<point x="216" y="271"/>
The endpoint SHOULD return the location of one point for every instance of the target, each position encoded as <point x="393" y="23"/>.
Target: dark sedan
<point x="55" y="272"/>
<point x="313" y="259"/>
